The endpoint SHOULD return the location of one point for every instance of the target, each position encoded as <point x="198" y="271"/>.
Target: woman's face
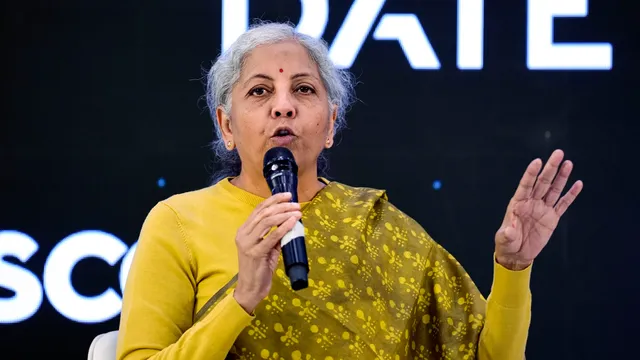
<point x="279" y="100"/>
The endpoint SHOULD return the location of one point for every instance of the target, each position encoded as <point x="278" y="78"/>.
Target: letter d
<point x="235" y="19"/>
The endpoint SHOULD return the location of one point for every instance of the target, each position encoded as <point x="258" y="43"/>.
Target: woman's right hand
<point x="258" y="255"/>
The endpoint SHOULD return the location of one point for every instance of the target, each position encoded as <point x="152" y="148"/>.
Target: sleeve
<point x="158" y="303"/>
<point x="508" y="315"/>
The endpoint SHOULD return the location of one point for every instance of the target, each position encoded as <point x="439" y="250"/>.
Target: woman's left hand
<point x="534" y="211"/>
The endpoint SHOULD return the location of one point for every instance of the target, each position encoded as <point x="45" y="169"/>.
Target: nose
<point x="283" y="106"/>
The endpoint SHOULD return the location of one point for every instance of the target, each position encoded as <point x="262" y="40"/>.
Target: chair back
<point x="103" y="346"/>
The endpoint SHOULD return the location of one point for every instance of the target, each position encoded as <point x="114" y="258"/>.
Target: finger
<point x="275" y="236"/>
<point x="528" y="180"/>
<point x="271" y="209"/>
<point x="263" y="227"/>
<point x="558" y="183"/>
<point x="274" y="199"/>
<point x="274" y="210"/>
<point x="568" y="198"/>
<point x="548" y="173"/>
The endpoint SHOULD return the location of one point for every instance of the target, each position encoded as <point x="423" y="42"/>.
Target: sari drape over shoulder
<point x="379" y="288"/>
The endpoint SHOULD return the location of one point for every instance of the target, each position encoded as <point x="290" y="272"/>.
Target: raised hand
<point x="534" y="211"/>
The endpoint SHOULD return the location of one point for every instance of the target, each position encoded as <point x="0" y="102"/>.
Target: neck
<point x="254" y="182"/>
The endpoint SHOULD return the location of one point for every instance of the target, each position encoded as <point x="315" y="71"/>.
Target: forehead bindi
<point x="286" y="56"/>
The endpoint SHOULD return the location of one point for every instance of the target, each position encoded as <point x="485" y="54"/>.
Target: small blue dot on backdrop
<point x="437" y="185"/>
<point x="161" y="183"/>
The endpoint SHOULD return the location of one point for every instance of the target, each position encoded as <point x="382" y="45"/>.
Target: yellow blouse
<point x="186" y="253"/>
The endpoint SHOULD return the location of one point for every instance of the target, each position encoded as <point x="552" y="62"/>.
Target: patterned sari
<point x="379" y="288"/>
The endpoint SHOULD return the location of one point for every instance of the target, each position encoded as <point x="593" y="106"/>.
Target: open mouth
<point x="283" y="136"/>
<point x="283" y="132"/>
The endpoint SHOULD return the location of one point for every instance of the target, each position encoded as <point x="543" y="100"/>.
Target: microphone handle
<point x="294" y="251"/>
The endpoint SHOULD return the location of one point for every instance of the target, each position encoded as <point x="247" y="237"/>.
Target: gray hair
<point x="224" y="74"/>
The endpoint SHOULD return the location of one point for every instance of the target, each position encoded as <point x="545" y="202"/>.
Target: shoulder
<point x="398" y="228"/>
<point x="382" y="211"/>
<point x="190" y="199"/>
<point x="352" y="195"/>
<point x="376" y="201"/>
<point x="170" y="218"/>
<point x="182" y="205"/>
<point x="376" y="197"/>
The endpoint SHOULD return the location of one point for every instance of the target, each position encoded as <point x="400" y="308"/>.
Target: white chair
<point x="103" y="346"/>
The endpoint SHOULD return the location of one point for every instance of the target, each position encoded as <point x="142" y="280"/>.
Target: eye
<point x="305" y="89"/>
<point x="259" y="91"/>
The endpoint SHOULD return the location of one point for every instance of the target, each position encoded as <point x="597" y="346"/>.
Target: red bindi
<point x="281" y="70"/>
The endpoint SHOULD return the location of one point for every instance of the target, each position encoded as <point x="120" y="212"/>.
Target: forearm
<point x="211" y="338"/>
<point x="504" y="336"/>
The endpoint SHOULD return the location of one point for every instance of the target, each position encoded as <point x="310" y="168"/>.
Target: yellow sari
<point x="379" y="288"/>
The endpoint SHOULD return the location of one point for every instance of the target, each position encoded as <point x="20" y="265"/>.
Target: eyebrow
<point x="299" y="75"/>
<point x="267" y="77"/>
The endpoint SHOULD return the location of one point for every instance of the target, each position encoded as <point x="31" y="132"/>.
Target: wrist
<point x="247" y="302"/>
<point x="512" y="264"/>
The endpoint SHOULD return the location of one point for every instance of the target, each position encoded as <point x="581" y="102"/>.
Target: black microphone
<point x="281" y="172"/>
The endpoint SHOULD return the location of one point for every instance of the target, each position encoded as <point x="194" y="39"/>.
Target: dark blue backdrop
<point x="103" y="117"/>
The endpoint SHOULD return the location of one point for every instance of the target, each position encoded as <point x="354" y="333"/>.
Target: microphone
<point x="281" y="172"/>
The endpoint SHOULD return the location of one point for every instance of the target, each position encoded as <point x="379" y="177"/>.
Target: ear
<point x="224" y="124"/>
<point x="332" y="123"/>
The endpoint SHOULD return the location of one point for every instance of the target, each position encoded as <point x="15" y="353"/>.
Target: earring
<point x="229" y="144"/>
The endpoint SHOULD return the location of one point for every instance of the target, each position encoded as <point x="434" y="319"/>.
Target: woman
<point x="206" y="281"/>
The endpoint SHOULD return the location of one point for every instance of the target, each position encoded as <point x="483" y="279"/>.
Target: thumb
<point x="510" y="234"/>
<point x="275" y="252"/>
<point x="274" y="257"/>
<point x="506" y="235"/>
<point x="501" y="238"/>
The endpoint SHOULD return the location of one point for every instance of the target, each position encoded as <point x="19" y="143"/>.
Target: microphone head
<point x="279" y="159"/>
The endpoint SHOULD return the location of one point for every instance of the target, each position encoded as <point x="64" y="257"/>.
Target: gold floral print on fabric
<point x="379" y="288"/>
